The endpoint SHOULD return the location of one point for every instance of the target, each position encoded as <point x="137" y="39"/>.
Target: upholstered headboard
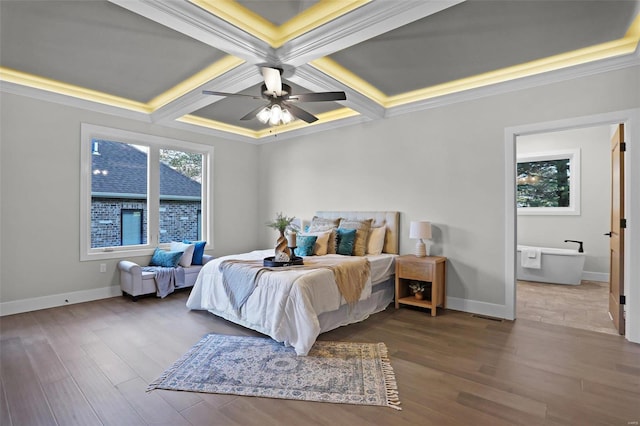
<point x="390" y="220"/>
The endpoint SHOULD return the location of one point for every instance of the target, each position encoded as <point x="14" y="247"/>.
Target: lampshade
<point x="419" y="229"/>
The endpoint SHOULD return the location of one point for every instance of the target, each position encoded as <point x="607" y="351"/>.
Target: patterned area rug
<point x="339" y="372"/>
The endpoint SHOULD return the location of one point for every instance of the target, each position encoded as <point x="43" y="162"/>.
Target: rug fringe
<point x="390" y="384"/>
<point x="154" y="385"/>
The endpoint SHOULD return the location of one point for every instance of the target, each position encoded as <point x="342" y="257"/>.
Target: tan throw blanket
<point x="240" y="277"/>
<point x="351" y="274"/>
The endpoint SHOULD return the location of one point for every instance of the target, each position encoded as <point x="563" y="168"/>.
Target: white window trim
<point x="574" y="184"/>
<point x="88" y="132"/>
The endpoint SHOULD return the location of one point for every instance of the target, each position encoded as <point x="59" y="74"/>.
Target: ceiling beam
<point x="364" y="23"/>
<point x="313" y="79"/>
<point x="191" y="20"/>
<point x="234" y="81"/>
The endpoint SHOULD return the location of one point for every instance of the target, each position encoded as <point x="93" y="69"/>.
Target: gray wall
<point x="40" y="195"/>
<point x="593" y="221"/>
<point x="445" y="165"/>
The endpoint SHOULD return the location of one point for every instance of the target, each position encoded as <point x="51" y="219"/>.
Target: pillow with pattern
<point x="322" y="224"/>
<point x="305" y="243"/>
<point x="167" y="259"/>
<point x="362" y="228"/>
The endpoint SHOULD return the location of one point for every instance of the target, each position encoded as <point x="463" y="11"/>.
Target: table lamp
<point x="420" y="230"/>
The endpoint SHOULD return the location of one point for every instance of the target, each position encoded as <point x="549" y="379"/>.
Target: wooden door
<point x="616" y="268"/>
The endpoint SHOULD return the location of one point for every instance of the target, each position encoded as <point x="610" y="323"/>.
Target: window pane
<point x="118" y="182"/>
<point x="132" y="227"/>
<point x="544" y="183"/>
<point x="180" y="195"/>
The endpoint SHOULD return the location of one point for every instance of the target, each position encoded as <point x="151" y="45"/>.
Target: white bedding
<point x="285" y="304"/>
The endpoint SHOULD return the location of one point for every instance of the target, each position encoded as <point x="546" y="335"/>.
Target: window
<point x="132" y="226"/>
<point x="548" y="183"/>
<point x="141" y="191"/>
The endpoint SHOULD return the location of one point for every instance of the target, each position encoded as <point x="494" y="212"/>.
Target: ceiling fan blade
<point x="253" y="113"/>
<point x="272" y="80"/>
<point x="210" y="92"/>
<point x="319" y="97"/>
<point x="300" y="113"/>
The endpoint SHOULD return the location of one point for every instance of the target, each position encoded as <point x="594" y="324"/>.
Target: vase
<point x="281" y="245"/>
<point x="419" y="295"/>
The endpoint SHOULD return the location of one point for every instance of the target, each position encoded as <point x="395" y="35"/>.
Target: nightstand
<point x="431" y="270"/>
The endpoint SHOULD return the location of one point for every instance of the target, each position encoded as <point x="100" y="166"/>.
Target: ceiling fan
<point x="280" y="109"/>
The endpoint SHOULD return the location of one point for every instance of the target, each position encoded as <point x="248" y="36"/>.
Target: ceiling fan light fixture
<point x="276" y="115"/>
<point x="286" y="116"/>
<point x="264" y="115"/>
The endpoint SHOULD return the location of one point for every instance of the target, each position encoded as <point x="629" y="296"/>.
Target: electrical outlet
<point x="103" y="267"/>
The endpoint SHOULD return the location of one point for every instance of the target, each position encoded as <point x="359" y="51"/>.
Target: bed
<point x="295" y="304"/>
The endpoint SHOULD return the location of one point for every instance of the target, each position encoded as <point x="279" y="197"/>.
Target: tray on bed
<point x="268" y="261"/>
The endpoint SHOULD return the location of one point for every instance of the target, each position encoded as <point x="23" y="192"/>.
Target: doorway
<point x="563" y="194"/>
<point x="631" y="285"/>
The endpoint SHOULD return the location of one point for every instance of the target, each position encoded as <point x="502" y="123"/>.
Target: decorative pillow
<point x="168" y="259"/>
<point x="362" y="233"/>
<point x="321" y="224"/>
<point x="376" y="240"/>
<point x="187" y="252"/>
<point x="198" y="251"/>
<point x="322" y="240"/>
<point x="346" y="238"/>
<point x="305" y="245"/>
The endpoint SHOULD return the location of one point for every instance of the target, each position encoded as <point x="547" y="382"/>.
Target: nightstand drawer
<point x="415" y="270"/>
<point x="430" y="270"/>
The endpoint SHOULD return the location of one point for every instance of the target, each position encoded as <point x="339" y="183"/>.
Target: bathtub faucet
<point x="580" y="250"/>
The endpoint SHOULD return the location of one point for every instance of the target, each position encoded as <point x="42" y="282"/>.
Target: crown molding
<point x="549" y="77"/>
<point x="310" y="130"/>
<point x="72" y="101"/>
<point x="191" y="20"/>
<point x="211" y="131"/>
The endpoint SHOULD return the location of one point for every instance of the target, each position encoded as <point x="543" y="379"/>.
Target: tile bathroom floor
<point x="584" y="306"/>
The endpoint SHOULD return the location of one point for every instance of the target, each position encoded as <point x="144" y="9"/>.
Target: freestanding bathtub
<point x="558" y="266"/>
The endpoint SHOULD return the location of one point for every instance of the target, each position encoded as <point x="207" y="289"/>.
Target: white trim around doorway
<point x="631" y="119"/>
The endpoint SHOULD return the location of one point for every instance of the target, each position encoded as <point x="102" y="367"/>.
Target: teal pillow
<point x="168" y="259"/>
<point x="346" y="239"/>
<point x="197" y="252"/>
<point x="305" y="245"/>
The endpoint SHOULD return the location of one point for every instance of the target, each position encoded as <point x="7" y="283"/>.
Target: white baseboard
<point x="476" y="307"/>
<point x="595" y="276"/>
<point x="44" y="302"/>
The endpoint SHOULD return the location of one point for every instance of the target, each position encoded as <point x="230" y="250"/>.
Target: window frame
<point x="89" y="132"/>
<point x="573" y="155"/>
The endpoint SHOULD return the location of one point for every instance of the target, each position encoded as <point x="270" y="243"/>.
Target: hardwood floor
<point x="584" y="306"/>
<point x="89" y="364"/>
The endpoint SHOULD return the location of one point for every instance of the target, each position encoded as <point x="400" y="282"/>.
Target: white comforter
<point x="285" y="304"/>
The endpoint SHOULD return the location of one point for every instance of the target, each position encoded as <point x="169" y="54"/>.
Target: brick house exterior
<point x="118" y="200"/>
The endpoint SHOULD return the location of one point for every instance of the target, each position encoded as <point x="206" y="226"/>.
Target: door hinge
<point x="623" y="223"/>
<point x="623" y="146"/>
<point x="623" y="300"/>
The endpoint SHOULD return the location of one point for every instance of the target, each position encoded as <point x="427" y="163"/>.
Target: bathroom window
<point x="548" y="183"/>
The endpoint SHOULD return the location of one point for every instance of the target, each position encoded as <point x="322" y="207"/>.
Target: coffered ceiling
<point x="150" y="60"/>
